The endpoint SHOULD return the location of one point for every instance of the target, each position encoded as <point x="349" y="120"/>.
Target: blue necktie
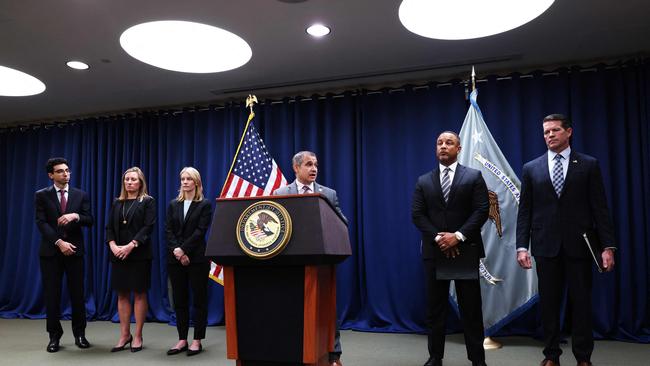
<point x="558" y="175"/>
<point x="446" y="184"/>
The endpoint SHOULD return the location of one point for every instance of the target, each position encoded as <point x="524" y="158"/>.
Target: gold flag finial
<point x="250" y="101"/>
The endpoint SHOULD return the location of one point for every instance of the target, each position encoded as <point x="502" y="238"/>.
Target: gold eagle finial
<point x="250" y="101"/>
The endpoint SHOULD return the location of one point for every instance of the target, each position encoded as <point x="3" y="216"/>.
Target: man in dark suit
<point x="305" y="165"/>
<point x="61" y="211"/>
<point x="562" y="197"/>
<point x="450" y="205"/>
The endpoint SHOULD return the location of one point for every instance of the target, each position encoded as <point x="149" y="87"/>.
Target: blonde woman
<point x="187" y="221"/>
<point x="128" y="234"/>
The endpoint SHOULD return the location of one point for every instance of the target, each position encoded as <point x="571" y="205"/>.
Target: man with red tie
<point x="61" y="211"/>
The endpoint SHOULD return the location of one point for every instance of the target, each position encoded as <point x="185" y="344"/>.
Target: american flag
<point x="253" y="173"/>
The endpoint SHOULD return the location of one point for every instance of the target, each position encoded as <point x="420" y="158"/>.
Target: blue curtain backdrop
<point x="371" y="147"/>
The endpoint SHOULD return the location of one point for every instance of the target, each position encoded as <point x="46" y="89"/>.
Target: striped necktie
<point x="446" y="184"/>
<point x="558" y="174"/>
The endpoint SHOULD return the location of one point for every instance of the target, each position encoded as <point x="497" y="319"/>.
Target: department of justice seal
<point x="264" y="229"/>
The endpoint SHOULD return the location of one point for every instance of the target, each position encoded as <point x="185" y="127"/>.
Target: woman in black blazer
<point x="128" y="234"/>
<point x="187" y="221"/>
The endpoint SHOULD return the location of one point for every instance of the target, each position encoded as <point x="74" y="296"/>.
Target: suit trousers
<point x="554" y="275"/>
<point x="52" y="270"/>
<point x="184" y="278"/>
<point x="469" y="301"/>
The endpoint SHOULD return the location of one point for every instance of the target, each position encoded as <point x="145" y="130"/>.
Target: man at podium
<point x="305" y="165"/>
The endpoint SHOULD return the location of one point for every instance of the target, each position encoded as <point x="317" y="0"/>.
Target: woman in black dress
<point x="187" y="221"/>
<point x="128" y="234"/>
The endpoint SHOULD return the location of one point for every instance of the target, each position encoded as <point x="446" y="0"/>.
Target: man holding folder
<point x="450" y="205"/>
<point x="562" y="198"/>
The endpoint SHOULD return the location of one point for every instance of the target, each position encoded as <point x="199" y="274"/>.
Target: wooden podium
<point x="281" y="311"/>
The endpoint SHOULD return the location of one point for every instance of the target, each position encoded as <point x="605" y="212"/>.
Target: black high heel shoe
<point x="122" y="347"/>
<point x="137" y="349"/>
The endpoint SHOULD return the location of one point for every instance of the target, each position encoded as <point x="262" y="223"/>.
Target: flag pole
<point x="488" y="342"/>
<point x="250" y="102"/>
<point x="473" y="79"/>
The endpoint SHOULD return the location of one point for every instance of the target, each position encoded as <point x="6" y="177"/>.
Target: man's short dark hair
<point x="51" y="163"/>
<point x="566" y="122"/>
<point x="451" y="133"/>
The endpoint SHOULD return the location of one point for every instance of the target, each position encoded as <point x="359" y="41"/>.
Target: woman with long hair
<point x="128" y="235"/>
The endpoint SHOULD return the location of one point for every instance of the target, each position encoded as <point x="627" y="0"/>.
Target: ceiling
<point x="368" y="46"/>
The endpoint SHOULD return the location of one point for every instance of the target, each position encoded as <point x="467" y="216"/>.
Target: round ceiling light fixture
<point x="185" y="46"/>
<point x="318" y="30"/>
<point x="14" y="83"/>
<point x="77" y="65"/>
<point x="468" y="19"/>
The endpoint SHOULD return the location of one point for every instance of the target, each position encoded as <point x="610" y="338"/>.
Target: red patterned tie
<point x="64" y="202"/>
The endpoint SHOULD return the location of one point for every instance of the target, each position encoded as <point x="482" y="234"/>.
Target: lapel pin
<point x="575" y="162"/>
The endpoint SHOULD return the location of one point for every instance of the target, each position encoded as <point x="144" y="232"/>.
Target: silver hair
<point x="299" y="157"/>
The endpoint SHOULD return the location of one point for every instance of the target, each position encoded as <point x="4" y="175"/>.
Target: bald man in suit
<point x="450" y="205"/>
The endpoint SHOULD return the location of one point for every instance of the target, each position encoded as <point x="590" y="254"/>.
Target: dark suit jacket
<point x="466" y="211"/>
<point x="329" y="193"/>
<point x="549" y="222"/>
<point x="140" y="223"/>
<point x="187" y="233"/>
<point x="48" y="211"/>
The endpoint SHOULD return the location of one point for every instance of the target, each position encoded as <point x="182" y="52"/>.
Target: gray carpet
<point x="22" y="342"/>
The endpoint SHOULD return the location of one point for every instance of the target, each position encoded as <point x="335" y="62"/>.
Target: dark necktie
<point x="64" y="202"/>
<point x="558" y="174"/>
<point x="446" y="184"/>
<point x="305" y="189"/>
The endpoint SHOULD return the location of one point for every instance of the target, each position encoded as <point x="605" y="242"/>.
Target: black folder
<point x="463" y="267"/>
<point x="595" y="247"/>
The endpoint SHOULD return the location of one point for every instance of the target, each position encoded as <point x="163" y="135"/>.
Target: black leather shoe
<point x="192" y="352"/>
<point x="122" y="347"/>
<point x="175" y="351"/>
<point x="53" y="346"/>
<point x="81" y="342"/>
<point x="433" y="362"/>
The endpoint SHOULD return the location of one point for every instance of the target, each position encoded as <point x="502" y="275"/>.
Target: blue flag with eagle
<point x="506" y="289"/>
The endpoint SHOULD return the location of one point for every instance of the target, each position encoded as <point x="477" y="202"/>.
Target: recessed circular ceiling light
<point x="318" y="30"/>
<point x="185" y="46"/>
<point x="467" y="19"/>
<point x="14" y="83"/>
<point x="77" y="65"/>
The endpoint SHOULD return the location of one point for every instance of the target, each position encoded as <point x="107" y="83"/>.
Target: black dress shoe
<point x="433" y="362"/>
<point x="53" y="346"/>
<point x="81" y="342"/>
<point x="122" y="347"/>
<point x="175" y="351"/>
<point x="192" y="352"/>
